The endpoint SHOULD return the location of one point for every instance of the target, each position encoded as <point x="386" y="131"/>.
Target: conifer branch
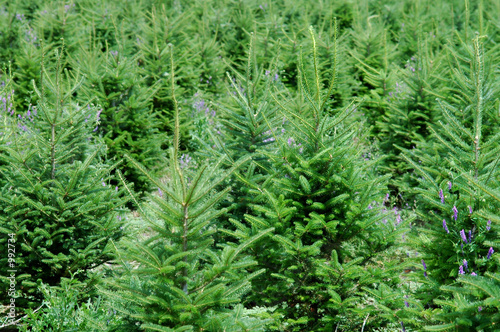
<point x="177" y="126"/>
<point x="316" y="71"/>
<point x="333" y="77"/>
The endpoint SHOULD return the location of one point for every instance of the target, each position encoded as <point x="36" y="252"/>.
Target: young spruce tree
<point x="327" y="208"/>
<point x="176" y="279"/>
<point x="458" y="203"/>
<point x="54" y="194"/>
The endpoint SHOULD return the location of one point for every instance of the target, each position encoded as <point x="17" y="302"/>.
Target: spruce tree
<point x="326" y="205"/>
<point x="128" y="121"/>
<point x="242" y="127"/>
<point x="457" y="203"/>
<point x="176" y="279"/>
<point x="58" y="205"/>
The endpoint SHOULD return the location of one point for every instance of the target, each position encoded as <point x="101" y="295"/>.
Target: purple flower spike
<point x="488" y="225"/>
<point x="462" y="235"/>
<point x="466" y="265"/>
<point x="473" y="274"/>
<point x="449" y="185"/>
<point x="403" y="327"/>
<point x="160" y="192"/>
<point x="455" y="213"/>
<point x="490" y="252"/>
<point x="441" y="196"/>
<point x="407" y="304"/>
<point x="445" y="227"/>
<point x="470" y="210"/>
<point x="479" y="308"/>
<point x="461" y="270"/>
<point x="425" y="266"/>
<point x="470" y="236"/>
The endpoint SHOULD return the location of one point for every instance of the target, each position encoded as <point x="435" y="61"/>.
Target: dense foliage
<point x="250" y="166"/>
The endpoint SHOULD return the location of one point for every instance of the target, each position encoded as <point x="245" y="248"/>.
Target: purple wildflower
<point x="276" y="77"/>
<point x="116" y="188"/>
<point x="470" y="210"/>
<point x="479" y="308"/>
<point x="185" y="160"/>
<point x="441" y="196"/>
<point x="103" y="184"/>
<point x="119" y="218"/>
<point x="386" y="198"/>
<point x="370" y="207"/>
<point x="403" y="327"/>
<point x="462" y="235"/>
<point x="407" y="304"/>
<point x="449" y="185"/>
<point x="470" y="236"/>
<point x="473" y="274"/>
<point x="490" y="252"/>
<point x="466" y="265"/>
<point x="488" y="225"/>
<point x="461" y="270"/>
<point x="425" y="266"/>
<point x="160" y="192"/>
<point x="445" y="226"/>
<point x="455" y="213"/>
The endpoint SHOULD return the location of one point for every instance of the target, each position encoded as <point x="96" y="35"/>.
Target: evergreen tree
<point x="176" y="279"/>
<point x="457" y="171"/>
<point x="327" y="208"/>
<point x="127" y="120"/>
<point x="243" y="128"/>
<point x="58" y="206"/>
